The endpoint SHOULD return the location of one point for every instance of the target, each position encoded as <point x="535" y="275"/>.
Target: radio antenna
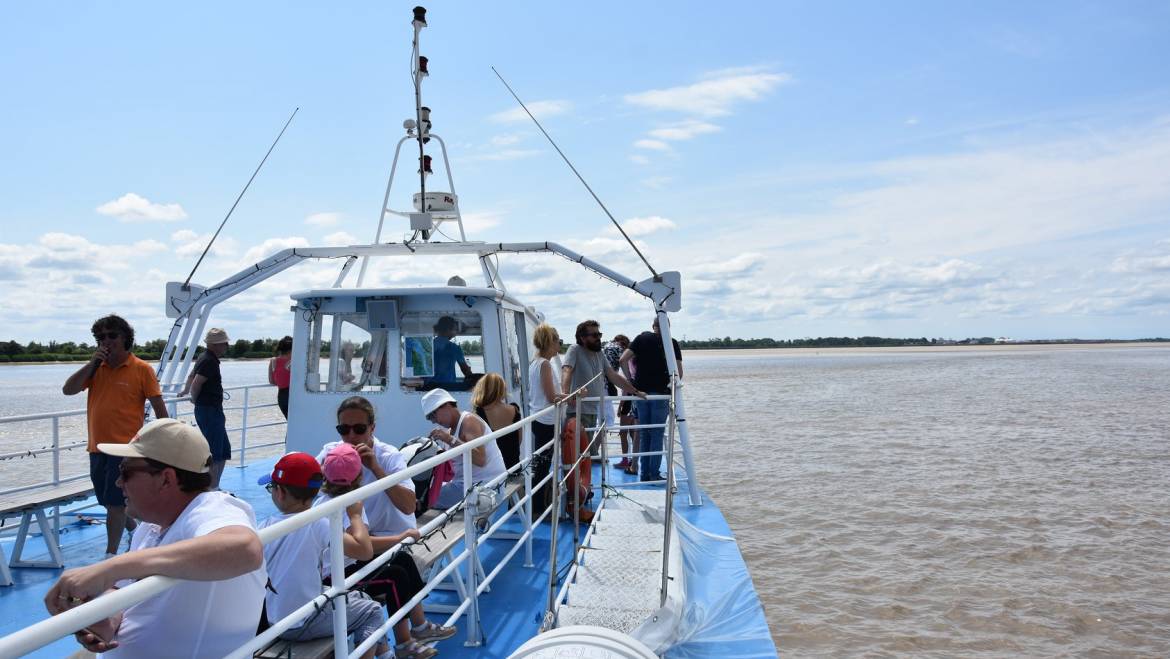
<point x="187" y="282"/>
<point x="579" y="177"/>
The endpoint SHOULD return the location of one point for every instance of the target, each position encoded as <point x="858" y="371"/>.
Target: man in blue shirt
<point x="447" y="352"/>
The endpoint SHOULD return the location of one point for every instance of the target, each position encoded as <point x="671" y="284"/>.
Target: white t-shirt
<point x="536" y="397"/>
<point x="385" y="518"/>
<point x="294" y="566"/>
<point x="194" y="618"/>
<point x="495" y="460"/>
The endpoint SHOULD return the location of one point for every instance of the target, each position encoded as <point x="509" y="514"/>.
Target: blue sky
<point x="895" y="169"/>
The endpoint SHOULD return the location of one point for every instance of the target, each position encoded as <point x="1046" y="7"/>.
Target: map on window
<point x="418" y="356"/>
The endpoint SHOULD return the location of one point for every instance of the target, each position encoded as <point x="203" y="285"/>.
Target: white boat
<point x="655" y="573"/>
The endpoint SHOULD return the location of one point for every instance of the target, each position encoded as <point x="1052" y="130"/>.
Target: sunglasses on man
<point x="106" y="335"/>
<point x="344" y="429"/>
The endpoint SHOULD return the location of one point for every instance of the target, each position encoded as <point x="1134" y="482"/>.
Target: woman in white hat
<point x="455" y="428"/>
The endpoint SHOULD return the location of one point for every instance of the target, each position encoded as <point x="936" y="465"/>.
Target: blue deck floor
<point x="510" y="612"/>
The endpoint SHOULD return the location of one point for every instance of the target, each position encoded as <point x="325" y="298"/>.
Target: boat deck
<point x="510" y="612"/>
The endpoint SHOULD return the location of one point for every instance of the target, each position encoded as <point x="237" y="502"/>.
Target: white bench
<point x="32" y="504"/>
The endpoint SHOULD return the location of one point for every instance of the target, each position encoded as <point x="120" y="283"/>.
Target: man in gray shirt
<point x="583" y="362"/>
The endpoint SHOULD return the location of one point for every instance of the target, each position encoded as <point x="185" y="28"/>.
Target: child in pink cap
<point x="396" y="582"/>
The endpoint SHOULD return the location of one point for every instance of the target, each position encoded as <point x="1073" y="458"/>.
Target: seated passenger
<point x="457" y="428"/>
<point x="490" y="398"/>
<point x="447" y="352"/>
<point x="296" y="561"/>
<point x="391" y="512"/>
<point x="398" y="580"/>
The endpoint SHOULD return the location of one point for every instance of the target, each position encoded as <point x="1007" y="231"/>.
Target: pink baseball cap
<point x="342" y="464"/>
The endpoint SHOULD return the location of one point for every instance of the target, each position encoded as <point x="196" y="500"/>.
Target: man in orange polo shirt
<point x="119" y="385"/>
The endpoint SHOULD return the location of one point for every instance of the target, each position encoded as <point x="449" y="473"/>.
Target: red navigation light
<point x="426" y="166"/>
<point x="422" y="65"/>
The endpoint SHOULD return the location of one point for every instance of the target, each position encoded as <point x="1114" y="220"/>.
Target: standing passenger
<point x="280" y="373"/>
<point x="544" y="389"/>
<point x="206" y="388"/>
<point x="613" y="352"/>
<point x="447" y="352"/>
<point x="119" y="385"/>
<point x="490" y="401"/>
<point x="652" y="376"/>
<point x="583" y="362"/>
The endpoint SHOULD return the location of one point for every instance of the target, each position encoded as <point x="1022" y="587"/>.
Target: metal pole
<point x="526" y="447"/>
<point x="244" y="429"/>
<point x="555" y="513"/>
<point x="668" y="522"/>
<point x="337" y="570"/>
<point x="575" y="470"/>
<point x="604" y="434"/>
<point x="469" y="543"/>
<point x="56" y="451"/>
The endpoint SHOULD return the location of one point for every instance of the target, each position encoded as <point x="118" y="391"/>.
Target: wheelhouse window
<point x="440" y="349"/>
<point x="343" y="353"/>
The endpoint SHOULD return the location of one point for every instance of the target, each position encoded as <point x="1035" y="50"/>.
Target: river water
<point x="959" y="502"/>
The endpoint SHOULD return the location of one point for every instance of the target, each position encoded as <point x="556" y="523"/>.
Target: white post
<point x="337" y="570"/>
<point x="526" y="447"/>
<point x="244" y="430"/>
<point x="469" y="542"/>
<point x="684" y="435"/>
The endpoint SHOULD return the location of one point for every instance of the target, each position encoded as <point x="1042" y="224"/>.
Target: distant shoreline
<point x="991" y="347"/>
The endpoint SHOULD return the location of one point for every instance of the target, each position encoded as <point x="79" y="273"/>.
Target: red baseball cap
<point x="296" y="469"/>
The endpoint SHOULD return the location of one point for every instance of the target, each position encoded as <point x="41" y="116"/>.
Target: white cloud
<point x="474" y="223"/>
<point x="191" y="244"/>
<point x="539" y="109"/>
<point x="684" y="130"/>
<point x="656" y="182"/>
<point x="505" y="140"/>
<point x="134" y="208"/>
<point x="654" y="145"/>
<point x="272" y="246"/>
<point x="912" y="121"/>
<point x="644" y="226"/>
<point x="184" y="235"/>
<point x="639" y="159"/>
<point x="339" y="239"/>
<point x="712" y="97"/>
<point x="326" y="219"/>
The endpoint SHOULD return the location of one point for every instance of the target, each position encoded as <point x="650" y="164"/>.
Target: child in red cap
<point x="295" y="561"/>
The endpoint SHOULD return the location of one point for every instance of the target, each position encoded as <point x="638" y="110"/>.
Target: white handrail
<point x="64" y="624"/>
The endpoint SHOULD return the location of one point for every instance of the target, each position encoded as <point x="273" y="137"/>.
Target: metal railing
<point x="55" y="448"/>
<point x="64" y="624"/>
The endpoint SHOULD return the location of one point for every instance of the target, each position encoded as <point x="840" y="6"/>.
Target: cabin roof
<point x="398" y="292"/>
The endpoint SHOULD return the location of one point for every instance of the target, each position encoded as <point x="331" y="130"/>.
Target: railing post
<point x="604" y="434"/>
<point x="244" y="430"/>
<point x="337" y="572"/>
<point x="56" y="450"/>
<point x="470" y="508"/>
<point x="526" y="448"/>
<point x="669" y="520"/>
<point x="555" y="513"/>
<point x="574" y="469"/>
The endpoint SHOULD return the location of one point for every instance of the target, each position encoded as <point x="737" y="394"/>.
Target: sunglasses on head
<point x="357" y="428"/>
<point x="596" y="335"/>
<point x="106" y="335"/>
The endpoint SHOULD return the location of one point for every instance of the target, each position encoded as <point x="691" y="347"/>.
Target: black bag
<point x="415" y="451"/>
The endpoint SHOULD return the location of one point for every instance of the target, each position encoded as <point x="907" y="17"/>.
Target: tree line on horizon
<point x="67" y="351"/>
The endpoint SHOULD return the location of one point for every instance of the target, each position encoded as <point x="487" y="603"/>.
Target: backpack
<point x="426" y="483"/>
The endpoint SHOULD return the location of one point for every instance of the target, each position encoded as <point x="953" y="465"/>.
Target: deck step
<point x="623" y="559"/>
<point x="622" y="620"/>
<point x="621" y="577"/>
<point x="628" y="529"/>
<point x="649" y="498"/>
<point x="612" y="515"/>
<point x="626" y="543"/>
<point x="583" y="595"/>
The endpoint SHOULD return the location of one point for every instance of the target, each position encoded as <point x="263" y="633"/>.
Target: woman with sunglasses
<point x="390" y="512"/>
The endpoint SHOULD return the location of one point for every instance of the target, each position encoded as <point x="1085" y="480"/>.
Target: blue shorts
<point x="214" y="428"/>
<point x="103" y="473"/>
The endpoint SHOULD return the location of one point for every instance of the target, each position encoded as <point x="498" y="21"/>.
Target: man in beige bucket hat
<point x="187" y="532"/>
<point x="205" y="385"/>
